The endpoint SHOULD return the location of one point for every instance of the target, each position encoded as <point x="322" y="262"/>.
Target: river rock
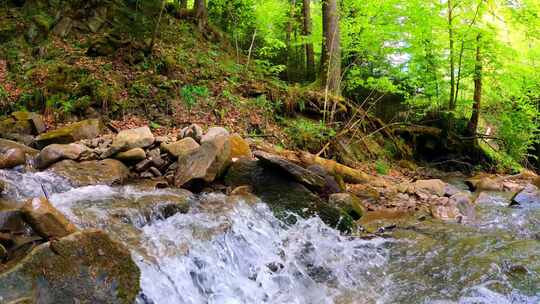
<point x="444" y="209"/>
<point x="11" y="158"/>
<point x="484" y="184"/>
<point x="529" y="195"/>
<point x="180" y="148"/>
<point x="208" y="162"/>
<point x="284" y="194"/>
<point x="349" y="203"/>
<point x="302" y="175"/>
<point x="9" y="144"/>
<point x="133" y="155"/>
<point x="56" y="152"/>
<point x="46" y="220"/>
<point x="194" y="131"/>
<point x="35" y="120"/>
<point x="432" y="186"/>
<point x="133" y="138"/>
<point x="107" y="172"/>
<point x="239" y="147"/>
<point x="86" y="129"/>
<point x="84" y="267"/>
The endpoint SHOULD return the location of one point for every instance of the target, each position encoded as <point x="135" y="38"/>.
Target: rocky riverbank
<point x="41" y="250"/>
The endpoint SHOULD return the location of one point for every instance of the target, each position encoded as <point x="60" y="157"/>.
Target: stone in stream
<point x="432" y="186"/>
<point x="180" y="148"/>
<point x="46" y="220"/>
<point x="529" y="195"/>
<point x="133" y="155"/>
<point x="284" y="194"/>
<point x="133" y="138"/>
<point x="103" y="172"/>
<point x="84" y="267"/>
<point x="304" y="176"/>
<point x="349" y="203"/>
<point x="13" y="154"/>
<point x="56" y="152"/>
<point x="86" y="129"/>
<point x="207" y="162"/>
<point x="484" y="184"/>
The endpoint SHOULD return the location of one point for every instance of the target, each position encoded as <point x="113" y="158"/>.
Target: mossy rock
<point x="84" y="267"/>
<point x="284" y="195"/>
<point x="86" y="129"/>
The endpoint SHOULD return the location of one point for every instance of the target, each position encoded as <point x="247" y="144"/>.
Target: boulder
<point x="180" y="148"/>
<point x="484" y="184"/>
<point x="284" y="194"/>
<point x="11" y="158"/>
<point x="86" y="129"/>
<point x="432" y="186"/>
<point x="57" y="152"/>
<point x="133" y="138"/>
<point x="349" y="203"/>
<point x="35" y="120"/>
<point x="239" y="147"/>
<point x="208" y="162"/>
<point x="107" y="172"/>
<point x="194" y="131"/>
<point x="529" y="195"/>
<point x="133" y="155"/>
<point x="302" y="175"/>
<point x="46" y="220"/>
<point x="84" y="267"/>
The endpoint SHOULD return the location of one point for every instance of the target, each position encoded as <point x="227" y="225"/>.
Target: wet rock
<point x="46" y="220"/>
<point x="239" y="147"/>
<point x="133" y="155"/>
<point x="529" y="195"/>
<point x="155" y="172"/>
<point x="208" y="162"/>
<point x="8" y="144"/>
<point x="283" y="194"/>
<point x="56" y="152"/>
<point x="107" y="172"/>
<point x="133" y="138"/>
<point x="194" y="131"/>
<point x="484" y="184"/>
<point x="143" y="165"/>
<point x="11" y="220"/>
<point x="444" y="209"/>
<point x="349" y="203"/>
<point x="432" y="186"/>
<point x="86" y="129"/>
<point x="11" y="158"/>
<point x="331" y="183"/>
<point x="2" y="187"/>
<point x="84" y="267"/>
<point x="304" y="176"/>
<point x="180" y="148"/>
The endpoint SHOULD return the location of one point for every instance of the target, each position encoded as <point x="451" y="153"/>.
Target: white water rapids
<point x="242" y="254"/>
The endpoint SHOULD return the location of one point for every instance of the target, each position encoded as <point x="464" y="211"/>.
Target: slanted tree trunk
<point x="331" y="54"/>
<point x="201" y="14"/>
<point x="307" y="30"/>
<point x="452" y="101"/>
<point x="472" y="127"/>
<point x="156" y="29"/>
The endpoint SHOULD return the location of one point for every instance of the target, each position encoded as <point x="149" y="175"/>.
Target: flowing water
<point x="234" y="251"/>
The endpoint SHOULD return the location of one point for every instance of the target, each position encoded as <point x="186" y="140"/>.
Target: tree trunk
<point x="331" y="53"/>
<point x="201" y="13"/>
<point x="452" y="101"/>
<point x="472" y="127"/>
<point x="182" y="4"/>
<point x="307" y="30"/>
<point x="288" y="38"/>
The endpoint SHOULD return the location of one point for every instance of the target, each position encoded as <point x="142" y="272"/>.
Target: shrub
<point x="308" y="134"/>
<point x="191" y="93"/>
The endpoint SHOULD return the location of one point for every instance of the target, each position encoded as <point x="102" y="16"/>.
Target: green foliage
<point x="381" y="166"/>
<point x="308" y="134"/>
<point x="191" y="94"/>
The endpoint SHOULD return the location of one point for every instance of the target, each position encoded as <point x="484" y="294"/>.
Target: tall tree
<point x="182" y="4"/>
<point x="201" y="13"/>
<point x="473" y="122"/>
<point x="331" y="50"/>
<point x="308" y="45"/>
<point x="452" y="101"/>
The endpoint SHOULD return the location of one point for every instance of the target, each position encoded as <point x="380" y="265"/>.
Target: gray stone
<point x="133" y="155"/>
<point x="194" y="131"/>
<point x="529" y="195"/>
<point x="86" y="129"/>
<point x="180" y="148"/>
<point x="57" y="152"/>
<point x="103" y="172"/>
<point x="133" y="138"/>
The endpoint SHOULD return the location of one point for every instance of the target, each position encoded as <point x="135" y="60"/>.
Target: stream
<point x="230" y="251"/>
